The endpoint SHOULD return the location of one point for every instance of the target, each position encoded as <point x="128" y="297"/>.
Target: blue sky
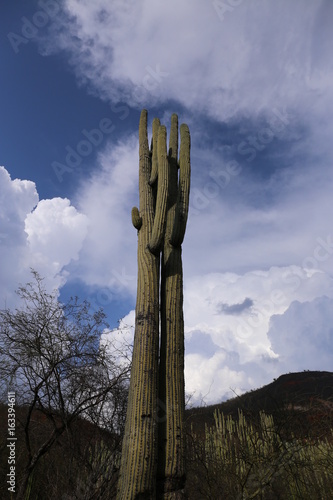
<point x="253" y="80"/>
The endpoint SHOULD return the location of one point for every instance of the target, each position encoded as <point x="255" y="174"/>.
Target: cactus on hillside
<point x="253" y="459"/>
<point x="153" y="444"/>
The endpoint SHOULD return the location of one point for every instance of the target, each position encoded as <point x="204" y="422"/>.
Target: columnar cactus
<point x="171" y="460"/>
<point x="139" y="452"/>
<point x="153" y="448"/>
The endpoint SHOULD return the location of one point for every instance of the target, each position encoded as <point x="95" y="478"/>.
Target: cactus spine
<point x="152" y="463"/>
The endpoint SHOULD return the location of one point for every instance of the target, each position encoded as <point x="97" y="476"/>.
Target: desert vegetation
<point x="69" y="399"/>
<point x="241" y="455"/>
<point x="238" y="458"/>
<point x="81" y="430"/>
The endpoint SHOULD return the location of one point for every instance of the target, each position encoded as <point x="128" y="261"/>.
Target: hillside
<point x="303" y="398"/>
<point x="86" y="459"/>
<point x="271" y="443"/>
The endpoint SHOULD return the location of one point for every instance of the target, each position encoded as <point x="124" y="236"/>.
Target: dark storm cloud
<point x="235" y="309"/>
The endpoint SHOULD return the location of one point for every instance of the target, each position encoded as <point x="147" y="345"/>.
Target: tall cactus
<point x="171" y="459"/>
<point x="154" y="386"/>
<point x="139" y="452"/>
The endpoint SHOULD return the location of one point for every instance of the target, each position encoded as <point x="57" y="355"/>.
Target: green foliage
<point x="248" y="460"/>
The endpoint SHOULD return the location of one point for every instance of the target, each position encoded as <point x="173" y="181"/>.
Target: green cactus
<point x="153" y="450"/>
<point x="171" y="459"/>
<point x="252" y="460"/>
<point x="139" y="451"/>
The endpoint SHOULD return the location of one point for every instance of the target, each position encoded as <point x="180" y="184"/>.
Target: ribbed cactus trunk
<point x="153" y="450"/>
<point x="139" y="452"/>
<point x="171" y="458"/>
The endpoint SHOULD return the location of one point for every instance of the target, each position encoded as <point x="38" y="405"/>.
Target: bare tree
<point x="51" y="357"/>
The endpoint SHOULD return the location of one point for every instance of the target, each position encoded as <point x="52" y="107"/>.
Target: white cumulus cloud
<point x="256" y="56"/>
<point x="259" y="241"/>
<point x="55" y="232"/>
<point x="303" y="335"/>
<point x="45" y="235"/>
<point x="108" y="257"/>
<point x="228" y="353"/>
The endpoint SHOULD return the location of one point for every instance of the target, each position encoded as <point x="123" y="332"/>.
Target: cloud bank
<point x="138" y="50"/>
<point x="44" y="235"/>
<point x="284" y="326"/>
<point x="108" y="257"/>
<point x="254" y="82"/>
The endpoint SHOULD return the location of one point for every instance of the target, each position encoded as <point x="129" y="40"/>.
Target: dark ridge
<point x="301" y="398"/>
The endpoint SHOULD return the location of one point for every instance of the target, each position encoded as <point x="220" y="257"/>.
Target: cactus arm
<point x="136" y="218"/>
<point x="162" y="194"/>
<point x="143" y="135"/>
<point x="154" y="169"/>
<point x="173" y="142"/>
<point x="180" y="222"/>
